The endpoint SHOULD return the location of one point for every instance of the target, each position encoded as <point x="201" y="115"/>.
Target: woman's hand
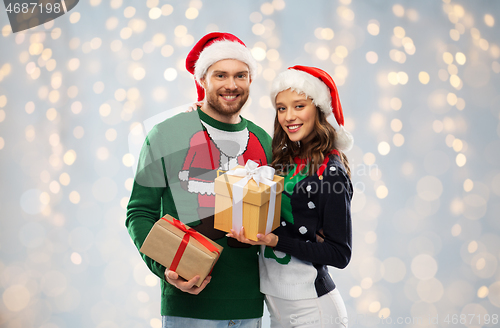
<point x="195" y="106"/>
<point x="270" y="239"/>
<point x="320" y="236"/>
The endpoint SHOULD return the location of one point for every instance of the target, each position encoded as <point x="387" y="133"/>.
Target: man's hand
<point x="186" y="286"/>
<point x="270" y="239"/>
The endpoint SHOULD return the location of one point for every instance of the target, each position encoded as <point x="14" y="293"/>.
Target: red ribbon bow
<point x="189" y="232"/>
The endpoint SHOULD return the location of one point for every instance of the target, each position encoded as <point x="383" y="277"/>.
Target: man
<point x="177" y="167"/>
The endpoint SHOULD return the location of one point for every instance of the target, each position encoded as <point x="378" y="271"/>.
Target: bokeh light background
<point x="419" y="83"/>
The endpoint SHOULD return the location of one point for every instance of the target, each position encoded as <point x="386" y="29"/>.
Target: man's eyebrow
<point x="224" y="72"/>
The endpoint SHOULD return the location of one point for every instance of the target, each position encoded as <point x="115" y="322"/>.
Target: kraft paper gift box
<point x="181" y="249"/>
<point x="256" y="199"/>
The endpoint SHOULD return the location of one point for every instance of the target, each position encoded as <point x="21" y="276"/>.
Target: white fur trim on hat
<point x="304" y="83"/>
<point x="220" y="50"/>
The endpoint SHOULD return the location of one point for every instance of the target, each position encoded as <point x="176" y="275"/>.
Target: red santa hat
<point x="317" y="85"/>
<point x="212" y="48"/>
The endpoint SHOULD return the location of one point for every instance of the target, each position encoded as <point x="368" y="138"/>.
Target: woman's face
<point x="296" y="115"/>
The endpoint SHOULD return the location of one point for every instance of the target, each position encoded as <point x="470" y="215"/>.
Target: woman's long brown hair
<point x="285" y="150"/>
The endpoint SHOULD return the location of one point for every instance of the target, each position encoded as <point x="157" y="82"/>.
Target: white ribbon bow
<point x="262" y="174"/>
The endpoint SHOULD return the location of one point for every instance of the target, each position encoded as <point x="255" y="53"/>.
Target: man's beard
<point x="225" y="110"/>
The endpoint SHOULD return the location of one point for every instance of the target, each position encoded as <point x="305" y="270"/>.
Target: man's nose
<point x="231" y="84"/>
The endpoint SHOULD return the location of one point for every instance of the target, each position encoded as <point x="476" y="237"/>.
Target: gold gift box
<point x="255" y="204"/>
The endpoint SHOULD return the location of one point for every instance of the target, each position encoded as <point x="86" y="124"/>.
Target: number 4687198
<point x="33" y="7"/>
<point x="471" y="319"/>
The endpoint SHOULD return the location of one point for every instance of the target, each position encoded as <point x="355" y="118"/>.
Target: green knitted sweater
<point x="179" y="155"/>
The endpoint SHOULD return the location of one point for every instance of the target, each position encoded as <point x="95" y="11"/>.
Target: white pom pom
<point x="344" y="140"/>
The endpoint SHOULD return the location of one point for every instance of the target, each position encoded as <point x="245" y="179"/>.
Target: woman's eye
<point x="281" y="109"/>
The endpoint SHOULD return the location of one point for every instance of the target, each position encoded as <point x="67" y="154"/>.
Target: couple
<point x="179" y="162"/>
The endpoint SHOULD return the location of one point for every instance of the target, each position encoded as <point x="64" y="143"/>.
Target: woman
<point x="315" y="226"/>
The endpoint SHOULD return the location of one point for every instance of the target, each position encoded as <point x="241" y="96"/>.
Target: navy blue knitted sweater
<point x="311" y="205"/>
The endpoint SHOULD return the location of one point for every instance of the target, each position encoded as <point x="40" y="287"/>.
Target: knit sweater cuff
<point x="285" y="244"/>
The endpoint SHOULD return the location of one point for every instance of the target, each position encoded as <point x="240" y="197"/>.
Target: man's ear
<point x="203" y="82"/>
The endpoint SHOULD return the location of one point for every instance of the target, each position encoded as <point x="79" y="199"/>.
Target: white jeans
<point x="322" y="312"/>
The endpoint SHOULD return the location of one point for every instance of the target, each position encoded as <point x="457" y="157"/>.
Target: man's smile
<point x="229" y="97"/>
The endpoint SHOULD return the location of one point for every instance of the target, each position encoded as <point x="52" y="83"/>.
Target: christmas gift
<point x="248" y="196"/>
<point x="181" y="249"/>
